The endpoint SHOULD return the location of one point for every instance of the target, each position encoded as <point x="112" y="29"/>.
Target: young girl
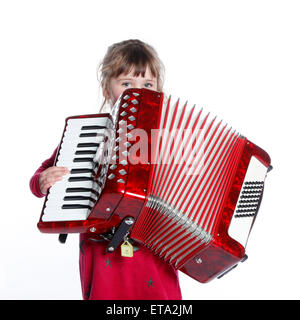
<point x="109" y="276"/>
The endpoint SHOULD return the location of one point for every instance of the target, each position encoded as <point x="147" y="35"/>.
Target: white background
<point x="238" y="59"/>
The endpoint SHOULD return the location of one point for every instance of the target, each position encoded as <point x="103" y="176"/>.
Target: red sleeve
<point x="34" y="181"/>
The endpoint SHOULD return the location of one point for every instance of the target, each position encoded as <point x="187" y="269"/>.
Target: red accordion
<point x="168" y="176"/>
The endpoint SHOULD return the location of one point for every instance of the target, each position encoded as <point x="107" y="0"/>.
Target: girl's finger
<point x="53" y="174"/>
<point x="65" y="169"/>
<point x="58" y="175"/>
<point x="46" y="185"/>
<point x="62" y="170"/>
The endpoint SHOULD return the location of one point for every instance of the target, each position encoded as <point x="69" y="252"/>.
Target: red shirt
<point x="109" y="276"/>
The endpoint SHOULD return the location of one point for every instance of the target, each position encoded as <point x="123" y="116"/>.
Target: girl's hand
<point x="51" y="175"/>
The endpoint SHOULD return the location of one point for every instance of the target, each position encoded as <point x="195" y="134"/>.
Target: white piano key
<point x="81" y="202"/>
<point x="78" y="128"/>
<point x="84" y="194"/>
<point x="54" y="196"/>
<point x="62" y="186"/>
<point x="62" y="189"/>
<point x="59" y="187"/>
<point x="75" y="148"/>
<point x="80" y="122"/>
<point x="65" y="214"/>
<point x="57" y="200"/>
<point x="77" y="175"/>
<point x="75" y="134"/>
<point x="68" y="149"/>
<point x="82" y="156"/>
<point x="73" y="165"/>
<point x="77" y="140"/>
<point x="61" y="202"/>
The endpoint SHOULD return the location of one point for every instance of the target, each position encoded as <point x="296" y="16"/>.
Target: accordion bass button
<point x="124" y="162"/>
<point x="127" y="144"/>
<point x="111" y="176"/>
<point x="130" y="126"/>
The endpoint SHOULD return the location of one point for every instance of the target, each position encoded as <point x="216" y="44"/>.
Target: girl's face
<point x="126" y="81"/>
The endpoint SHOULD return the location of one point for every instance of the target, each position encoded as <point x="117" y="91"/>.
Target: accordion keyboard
<point x="81" y="151"/>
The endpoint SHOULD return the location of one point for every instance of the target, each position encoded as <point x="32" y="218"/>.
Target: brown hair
<point x="126" y="55"/>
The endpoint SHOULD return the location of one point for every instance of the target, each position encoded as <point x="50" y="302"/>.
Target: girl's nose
<point x="138" y="84"/>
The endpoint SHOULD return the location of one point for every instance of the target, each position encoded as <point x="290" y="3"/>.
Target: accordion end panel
<point x="228" y="245"/>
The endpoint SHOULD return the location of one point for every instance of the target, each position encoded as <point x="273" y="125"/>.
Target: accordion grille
<point x="192" y="164"/>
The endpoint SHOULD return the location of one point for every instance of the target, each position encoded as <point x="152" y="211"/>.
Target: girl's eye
<point x="125" y="84"/>
<point x="148" y="85"/>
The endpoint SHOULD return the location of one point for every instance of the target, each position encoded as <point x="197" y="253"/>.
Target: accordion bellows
<point x="191" y="183"/>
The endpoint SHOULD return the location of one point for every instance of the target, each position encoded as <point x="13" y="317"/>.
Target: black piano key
<point x="87" y="145"/>
<point x="70" y="190"/>
<point x="99" y="183"/>
<point x="74" y="179"/>
<point x="71" y="198"/>
<point x="83" y="159"/>
<point x="92" y="127"/>
<point x="81" y="170"/>
<point x="75" y="190"/>
<point x="85" y="152"/>
<point x="89" y="134"/>
<point x="75" y="206"/>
